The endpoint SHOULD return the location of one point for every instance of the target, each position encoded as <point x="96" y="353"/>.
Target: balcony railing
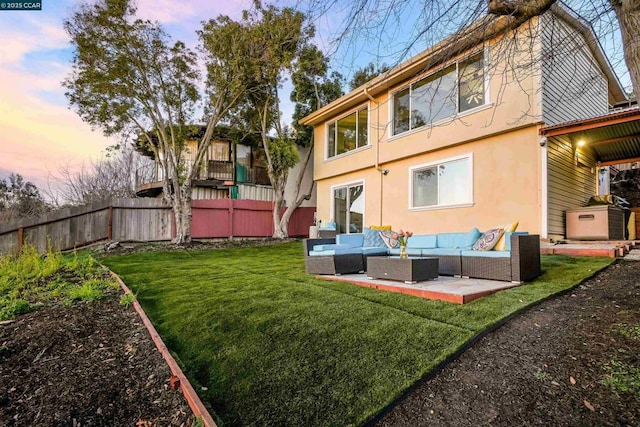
<point x="215" y="170"/>
<point x="220" y="170"/>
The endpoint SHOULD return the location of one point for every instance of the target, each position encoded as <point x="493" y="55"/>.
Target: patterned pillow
<point x="488" y="240"/>
<point x="372" y="239"/>
<point x="390" y="239"/>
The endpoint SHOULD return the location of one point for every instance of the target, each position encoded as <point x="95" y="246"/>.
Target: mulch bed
<point x="545" y="367"/>
<point x="89" y="364"/>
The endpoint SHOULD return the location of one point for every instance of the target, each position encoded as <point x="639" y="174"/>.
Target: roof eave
<point x="466" y="39"/>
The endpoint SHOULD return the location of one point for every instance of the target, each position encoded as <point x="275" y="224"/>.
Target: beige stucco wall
<point x="506" y="188"/>
<point x="514" y="101"/>
<point x="502" y="136"/>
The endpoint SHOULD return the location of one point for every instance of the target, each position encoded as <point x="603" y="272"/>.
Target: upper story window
<point x="456" y="89"/>
<point x="348" y="133"/>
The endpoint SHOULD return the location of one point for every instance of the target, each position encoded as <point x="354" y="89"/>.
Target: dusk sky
<point x="39" y="133"/>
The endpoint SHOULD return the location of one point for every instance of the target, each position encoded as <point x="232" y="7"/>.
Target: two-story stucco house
<point x="450" y="139"/>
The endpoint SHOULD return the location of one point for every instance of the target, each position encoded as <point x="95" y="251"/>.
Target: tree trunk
<point x="183" y="215"/>
<point x="278" y="189"/>
<point x="297" y="199"/>
<point x="628" y="13"/>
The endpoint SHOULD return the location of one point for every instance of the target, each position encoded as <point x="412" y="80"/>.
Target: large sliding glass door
<point x="348" y="208"/>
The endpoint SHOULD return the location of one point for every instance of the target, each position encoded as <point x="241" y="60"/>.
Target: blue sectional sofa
<point x="347" y="253"/>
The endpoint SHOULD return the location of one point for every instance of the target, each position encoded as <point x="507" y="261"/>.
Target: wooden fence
<point x="146" y="220"/>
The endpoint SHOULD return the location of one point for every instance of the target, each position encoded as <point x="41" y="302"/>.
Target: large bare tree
<point x="387" y="23"/>
<point x="111" y="176"/>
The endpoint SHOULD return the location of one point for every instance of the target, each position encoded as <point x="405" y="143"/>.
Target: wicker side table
<point x="408" y="270"/>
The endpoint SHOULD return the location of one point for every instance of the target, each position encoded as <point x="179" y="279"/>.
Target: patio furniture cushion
<point x="502" y="242"/>
<point x="487" y="254"/>
<point x="410" y="251"/>
<point x="441" y="251"/>
<point x="372" y="238"/>
<point x="330" y="225"/>
<point x="422" y="241"/>
<point x="330" y="247"/>
<point x="488" y="240"/>
<point x="375" y="251"/>
<point x="458" y="240"/>
<point x="347" y="251"/>
<point x="353" y="239"/>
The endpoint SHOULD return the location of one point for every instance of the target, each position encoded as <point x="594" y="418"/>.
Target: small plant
<point x="12" y="308"/>
<point x="540" y="375"/>
<point x="622" y="377"/>
<point x="127" y="299"/>
<point x="630" y="331"/>
<point x="29" y="280"/>
<point x="90" y="290"/>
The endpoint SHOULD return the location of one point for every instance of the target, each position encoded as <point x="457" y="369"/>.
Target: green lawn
<point x="266" y="344"/>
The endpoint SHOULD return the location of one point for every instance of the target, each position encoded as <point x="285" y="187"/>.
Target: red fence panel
<point x="211" y="218"/>
<point x="218" y="218"/>
<point x="252" y="218"/>
<point x="300" y="222"/>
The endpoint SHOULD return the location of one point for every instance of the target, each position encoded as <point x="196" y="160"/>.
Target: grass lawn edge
<point x="439" y="366"/>
<point x="197" y="407"/>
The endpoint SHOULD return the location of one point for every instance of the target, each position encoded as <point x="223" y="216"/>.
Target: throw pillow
<point x="372" y="239"/>
<point x="381" y="227"/>
<point x="390" y="238"/>
<point x="502" y="242"/>
<point x="488" y="240"/>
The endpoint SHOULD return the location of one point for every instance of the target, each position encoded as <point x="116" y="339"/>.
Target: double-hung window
<point x="348" y="133"/>
<point x="455" y="89"/>
<point x="444" y="184"/>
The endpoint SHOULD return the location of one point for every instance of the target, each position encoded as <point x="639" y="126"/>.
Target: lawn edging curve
<point x="196" y="405"/>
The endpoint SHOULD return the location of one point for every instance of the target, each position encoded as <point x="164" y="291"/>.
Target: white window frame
<point x="326" y="130"/>
<point x="347" y="185"/>
<point x="470" y="202"/>
<point x="486" y="104"/>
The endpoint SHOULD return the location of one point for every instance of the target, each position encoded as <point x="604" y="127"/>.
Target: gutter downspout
<point x="377" y="164"/>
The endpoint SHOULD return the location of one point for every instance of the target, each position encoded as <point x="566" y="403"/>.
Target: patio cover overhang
<point x="614" y="137"/>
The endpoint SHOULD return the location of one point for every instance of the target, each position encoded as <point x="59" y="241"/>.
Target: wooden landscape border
<point x="196" y="405"/>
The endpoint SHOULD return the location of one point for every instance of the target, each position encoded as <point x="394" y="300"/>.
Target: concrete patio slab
<point x="633" y="255"/>
<point x="450" y="289"/>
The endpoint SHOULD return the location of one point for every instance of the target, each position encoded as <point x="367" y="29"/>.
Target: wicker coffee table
<point x="408" y="270"/>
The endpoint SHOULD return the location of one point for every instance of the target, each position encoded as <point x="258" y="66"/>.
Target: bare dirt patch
<point x="548" y="366"/>
<point x="89" y="364"/>
<point x="125" y="248"/>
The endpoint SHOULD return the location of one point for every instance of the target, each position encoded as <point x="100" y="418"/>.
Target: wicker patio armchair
<point x="330" y="264"/>
<point x="523" y="265"/>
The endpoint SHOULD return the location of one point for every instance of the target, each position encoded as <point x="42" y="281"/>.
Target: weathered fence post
<point x="20" y="238"/>
<point x="110" y="224"/>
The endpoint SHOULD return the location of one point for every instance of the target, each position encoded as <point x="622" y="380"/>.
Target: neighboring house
<point x="450" y="139"/>
<point x="234" y="167"/>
